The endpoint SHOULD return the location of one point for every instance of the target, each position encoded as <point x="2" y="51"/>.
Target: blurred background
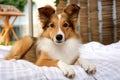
<point x="99" y="20"/>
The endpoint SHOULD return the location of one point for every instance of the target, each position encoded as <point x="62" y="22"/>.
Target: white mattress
<point x="106" y="58"/>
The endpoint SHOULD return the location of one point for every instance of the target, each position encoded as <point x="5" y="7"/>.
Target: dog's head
<point x="59" y="27"/>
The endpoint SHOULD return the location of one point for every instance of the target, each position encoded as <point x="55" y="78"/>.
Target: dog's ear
<point x="45" y="14"/>
<point x="72" y="10"/>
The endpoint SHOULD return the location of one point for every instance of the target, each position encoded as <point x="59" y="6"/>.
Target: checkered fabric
<point x="106" y="58"/>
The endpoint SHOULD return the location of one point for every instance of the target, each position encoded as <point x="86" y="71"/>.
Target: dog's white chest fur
<point x="67" y="51"/>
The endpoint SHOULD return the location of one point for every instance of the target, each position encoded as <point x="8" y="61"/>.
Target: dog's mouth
<point x="59" y="42"/>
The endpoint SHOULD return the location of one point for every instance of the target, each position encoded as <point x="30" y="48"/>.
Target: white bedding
<point x="106" y="58"/>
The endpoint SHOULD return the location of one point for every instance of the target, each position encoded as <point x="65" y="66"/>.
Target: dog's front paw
<point x="89" y="68"/>
<point x="10" y="56"/>
<point x="66" y="69"/>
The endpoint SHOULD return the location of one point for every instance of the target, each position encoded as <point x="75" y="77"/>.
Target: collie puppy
<point x="58" y="44"/>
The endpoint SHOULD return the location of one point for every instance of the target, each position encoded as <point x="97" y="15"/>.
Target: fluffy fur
<point x="58" y="45"/>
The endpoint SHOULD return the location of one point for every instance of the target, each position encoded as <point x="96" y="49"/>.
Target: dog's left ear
<point x="72" y="11"/>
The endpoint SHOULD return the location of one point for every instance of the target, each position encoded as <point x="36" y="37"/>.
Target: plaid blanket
<point x="106" y="58"/>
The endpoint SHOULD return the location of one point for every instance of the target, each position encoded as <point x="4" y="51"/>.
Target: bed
<point x="106" y="58"/>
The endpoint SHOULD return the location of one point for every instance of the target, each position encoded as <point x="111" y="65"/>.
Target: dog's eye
<point x="52" y="25"/>
<point x="65" y="25"/>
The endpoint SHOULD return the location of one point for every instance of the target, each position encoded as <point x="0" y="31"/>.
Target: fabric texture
<point x="106" y="58"/>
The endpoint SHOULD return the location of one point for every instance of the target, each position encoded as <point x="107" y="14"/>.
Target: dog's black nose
<point x="59" y="37"/>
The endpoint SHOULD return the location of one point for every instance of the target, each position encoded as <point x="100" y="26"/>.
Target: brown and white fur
<point x="58" y="45"/>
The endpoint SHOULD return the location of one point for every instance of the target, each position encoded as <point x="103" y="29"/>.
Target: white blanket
<point x="106" y="58"/>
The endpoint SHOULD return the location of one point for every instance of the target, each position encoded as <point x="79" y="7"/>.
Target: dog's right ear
<point x="45" y="14"/>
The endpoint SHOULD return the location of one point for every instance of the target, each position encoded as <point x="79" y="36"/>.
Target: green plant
<point x="57" y="2"/>
<point x="11" y="43"/>
<point x="20" y="4"/>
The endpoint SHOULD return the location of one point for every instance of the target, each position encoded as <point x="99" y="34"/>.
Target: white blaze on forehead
<point x="59" y="30"/>
<point x="59" y="16"/>
<point x="59" y="19"/>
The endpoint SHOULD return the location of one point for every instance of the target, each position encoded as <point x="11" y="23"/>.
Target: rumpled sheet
<point x="106" y="58"/>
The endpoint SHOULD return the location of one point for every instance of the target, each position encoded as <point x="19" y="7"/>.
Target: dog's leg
<point x="45" y="60"/>
<point x="87" y="66"/>
<point x="19" y="48"/>
<point x="66" y="69"/>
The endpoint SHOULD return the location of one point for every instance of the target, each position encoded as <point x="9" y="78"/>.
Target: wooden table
<point x="5" y="17"/>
